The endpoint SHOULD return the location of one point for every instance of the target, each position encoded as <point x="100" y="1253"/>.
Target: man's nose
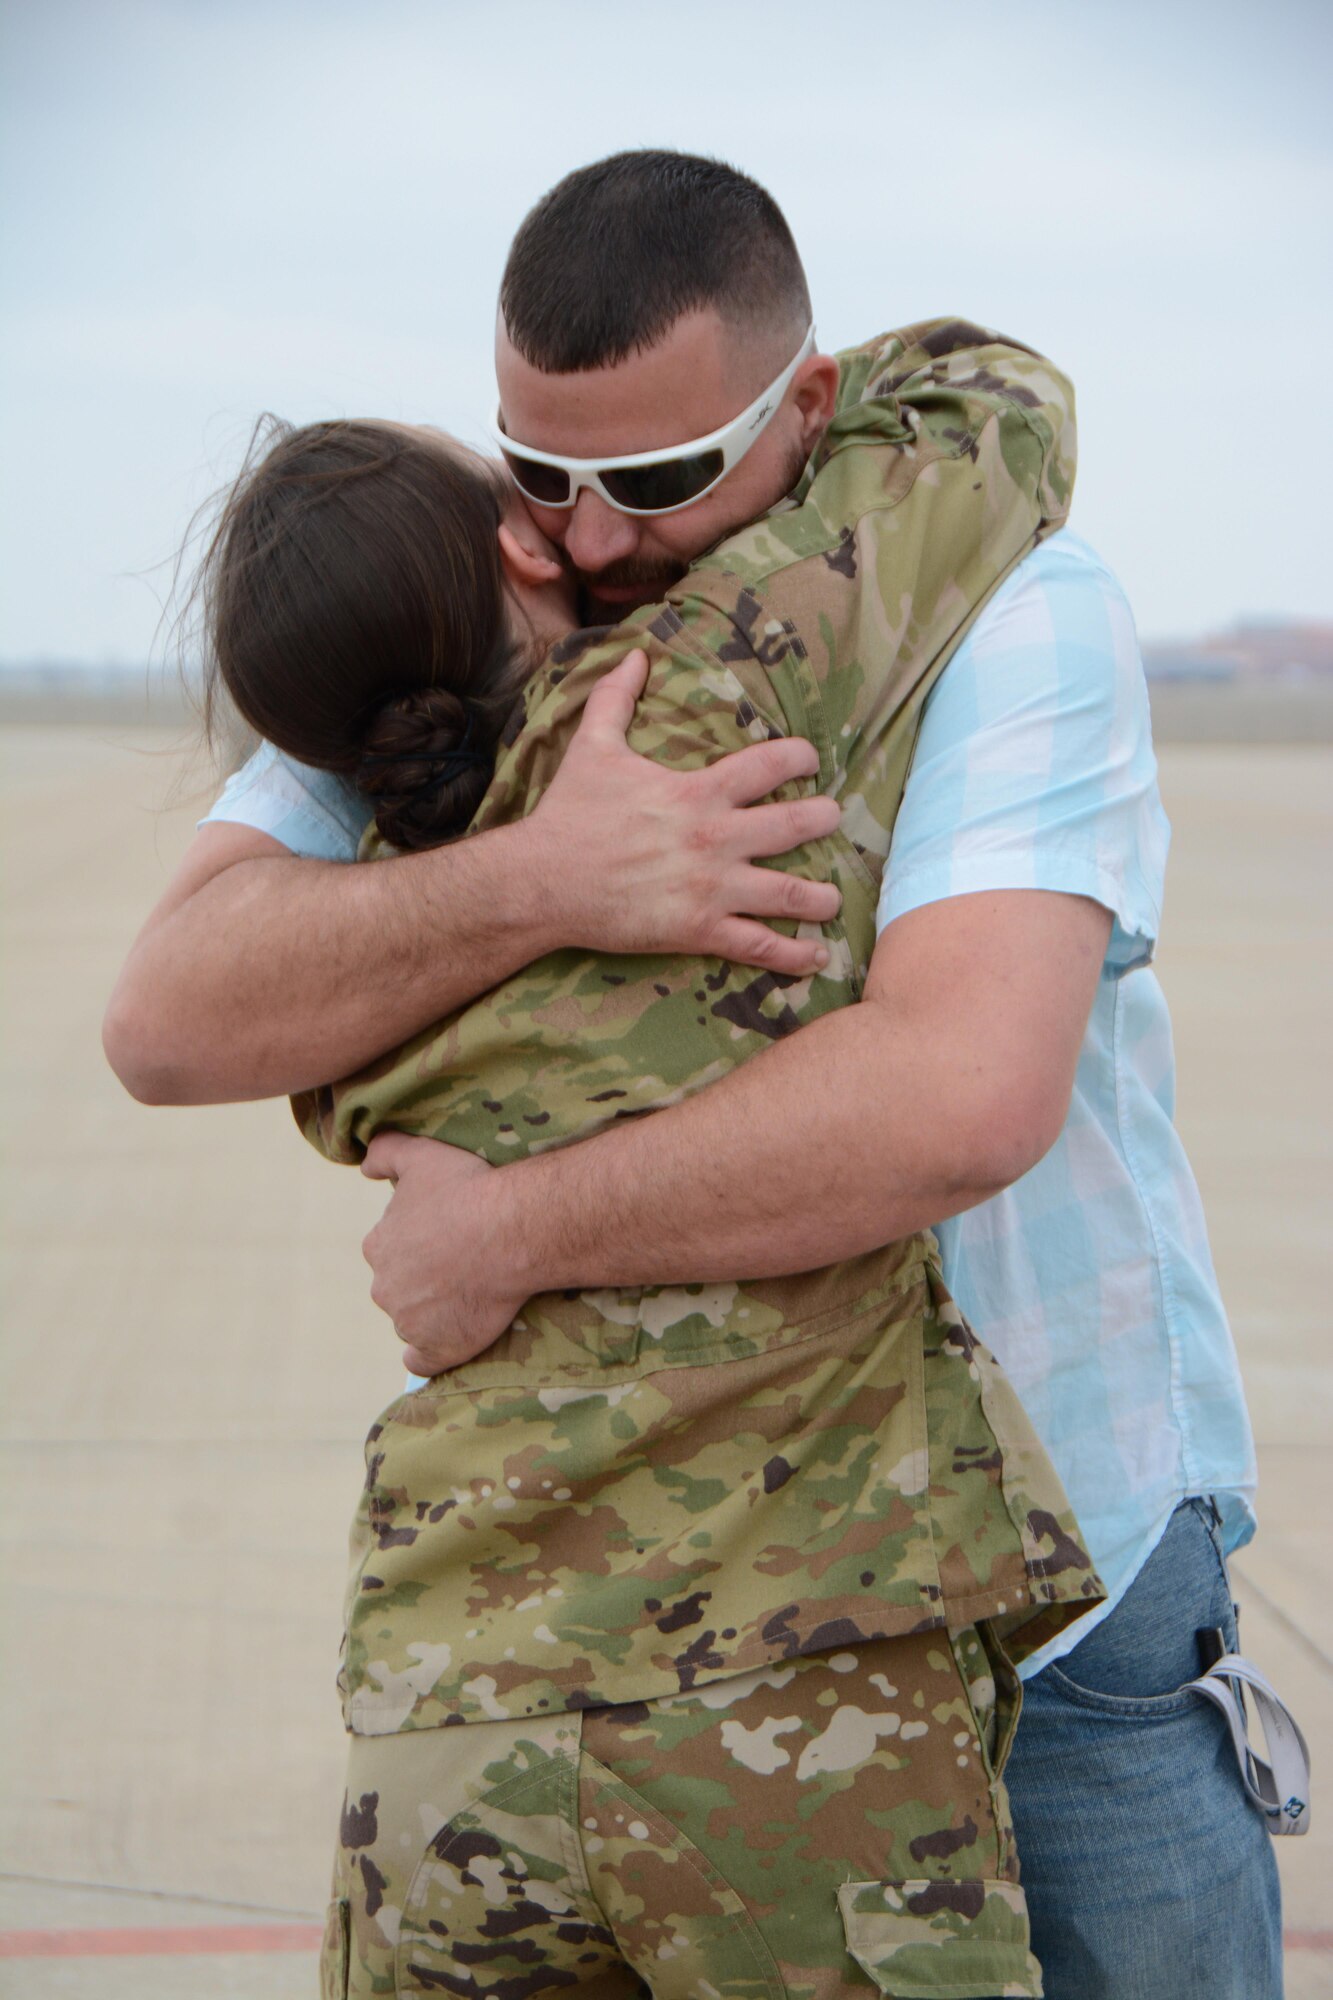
<point x="599" y="535"/>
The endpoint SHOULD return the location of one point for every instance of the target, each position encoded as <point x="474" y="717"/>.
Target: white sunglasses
<point x="648" y="482"/>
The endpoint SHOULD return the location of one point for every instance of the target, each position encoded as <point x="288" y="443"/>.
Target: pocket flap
<point x="941" y="1940"/>
<point x="336" y="1955"/>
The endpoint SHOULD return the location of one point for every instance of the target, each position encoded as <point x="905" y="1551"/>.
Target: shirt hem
<point x="1064" y="1642"/>
<point x="366" y="1715"/>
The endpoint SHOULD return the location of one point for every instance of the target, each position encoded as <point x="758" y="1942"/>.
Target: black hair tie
<point x="444" y="769"/>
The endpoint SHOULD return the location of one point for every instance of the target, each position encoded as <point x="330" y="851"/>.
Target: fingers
<point x="610" y="707"/>
<point x="777" y="829"/>
<point x="384" y="1156"/>
<point x="750" y="774"/>
<point x="748" y="943"/>
<point x="764" y="892"/>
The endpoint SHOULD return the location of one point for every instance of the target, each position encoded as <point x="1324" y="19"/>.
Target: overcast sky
<point x="215" y="207"/>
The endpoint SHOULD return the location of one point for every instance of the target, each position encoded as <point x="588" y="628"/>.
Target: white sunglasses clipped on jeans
<point x="648" y="482"/>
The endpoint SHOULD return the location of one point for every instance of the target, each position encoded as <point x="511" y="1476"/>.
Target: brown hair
<point x="353" y="608"/>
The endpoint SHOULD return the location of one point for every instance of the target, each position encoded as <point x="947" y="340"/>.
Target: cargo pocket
<point x="335" y="1952"/>
<point x="933" y="1940"/>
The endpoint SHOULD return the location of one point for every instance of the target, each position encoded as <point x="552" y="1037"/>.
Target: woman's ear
<point x="527" y="567"/>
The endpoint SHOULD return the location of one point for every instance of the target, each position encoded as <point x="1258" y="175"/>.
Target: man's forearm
<point x="717" y="1187"/>
<point x="949" y="1080"/>
<point x="946" y="1083"/>
<point x="341" y="962"/>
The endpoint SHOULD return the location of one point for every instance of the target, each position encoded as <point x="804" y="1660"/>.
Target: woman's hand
<point x="441" y="1272"/>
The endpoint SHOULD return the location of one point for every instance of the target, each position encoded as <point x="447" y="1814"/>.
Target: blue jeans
<point x="1149" y="1875"/>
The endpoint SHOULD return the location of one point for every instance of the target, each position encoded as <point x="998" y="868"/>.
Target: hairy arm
<point x="260" y="974"/>
<point x="945" y="1084"/>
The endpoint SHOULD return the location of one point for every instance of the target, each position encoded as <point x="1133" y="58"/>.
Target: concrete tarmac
<point x="191" y="1359"/>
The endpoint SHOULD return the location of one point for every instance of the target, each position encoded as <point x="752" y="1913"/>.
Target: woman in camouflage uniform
<point x="716" y="1575"/>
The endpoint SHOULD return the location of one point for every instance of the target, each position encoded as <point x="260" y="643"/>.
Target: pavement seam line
<point x="165" y="1896"/>
<point x="1285" y="1620"/>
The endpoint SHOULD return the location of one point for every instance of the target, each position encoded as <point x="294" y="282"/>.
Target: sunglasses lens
<point x="651" y="489"/>
<point x="548" y="485"/>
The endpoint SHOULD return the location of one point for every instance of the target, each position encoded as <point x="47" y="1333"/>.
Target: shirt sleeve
<point x="317" y="814"/>
<point x="1034" y="767"/>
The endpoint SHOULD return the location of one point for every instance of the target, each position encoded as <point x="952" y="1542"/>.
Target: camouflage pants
<point x="830" y="1826"/>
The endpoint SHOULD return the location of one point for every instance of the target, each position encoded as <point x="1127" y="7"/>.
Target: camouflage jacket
<point x="637" y="1491"/>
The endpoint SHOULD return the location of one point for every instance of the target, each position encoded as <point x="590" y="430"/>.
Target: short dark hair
<point x="610" y="259"/>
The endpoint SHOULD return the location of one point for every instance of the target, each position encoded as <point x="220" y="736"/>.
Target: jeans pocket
<point x="924" y="1940"/>
<point x="1137" y="1661"/>
<point x="1128" y="1707"/>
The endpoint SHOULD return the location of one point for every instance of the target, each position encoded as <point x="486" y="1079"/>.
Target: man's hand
<point x="441" y="1273"/>
<point x="654" y="860"/>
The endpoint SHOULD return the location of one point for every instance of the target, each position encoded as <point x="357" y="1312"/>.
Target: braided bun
<point x="426" y="761"/>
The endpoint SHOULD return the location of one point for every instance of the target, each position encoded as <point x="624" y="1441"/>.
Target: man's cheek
<point x="553" y="521"/>
<point x="680" y="538"/>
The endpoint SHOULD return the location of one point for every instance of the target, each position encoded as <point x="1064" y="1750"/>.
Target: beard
<point x="649" y="579"/>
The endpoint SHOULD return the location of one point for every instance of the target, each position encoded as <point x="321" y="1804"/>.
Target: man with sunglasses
<point x="642" y="489"/>
<point x="997" y="1027"/>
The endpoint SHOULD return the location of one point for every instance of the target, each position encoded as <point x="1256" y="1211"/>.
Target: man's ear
<point x="524" y="565"/>
<point x="815" y="391"/>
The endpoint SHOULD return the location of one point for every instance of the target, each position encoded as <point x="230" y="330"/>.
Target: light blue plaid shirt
<point x="1091" y="1277"/>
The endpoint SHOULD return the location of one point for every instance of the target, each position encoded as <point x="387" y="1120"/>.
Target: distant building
<point x="1271" y="649"/>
